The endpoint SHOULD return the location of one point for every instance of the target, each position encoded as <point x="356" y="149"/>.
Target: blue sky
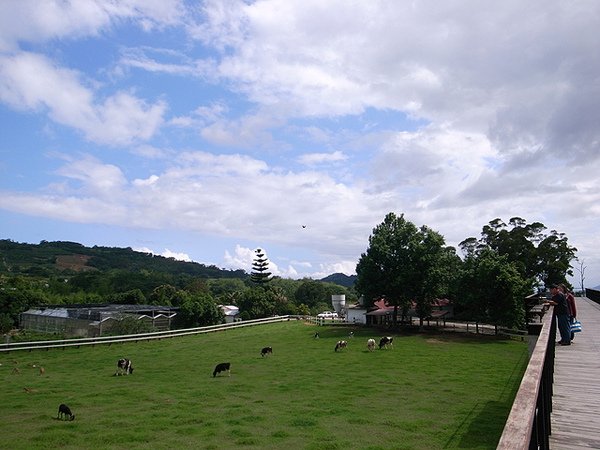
<point x="203" y="130"/>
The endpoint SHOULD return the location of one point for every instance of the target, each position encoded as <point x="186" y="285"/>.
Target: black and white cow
<point x="340" y="345"/>
<point x="371" y="344"/>
<point x="266" y="351"/>
<point x="64" y="412"/>
<point x="222" y="367"/>
<point x="386" y="342"/>
<point x="124" y="367"/>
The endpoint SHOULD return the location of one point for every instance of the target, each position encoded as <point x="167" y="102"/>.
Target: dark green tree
<point x="260" y="268"/>
<point x="403" y="263"/>
<point x="311" y="292"/>
<point x="198" y="310"/>
<point x="545" y="257"/>
<point x="437" y="266"/>
<point x="491" y="290"/>
<point x="256" y="302"/>
<point x="132" y="297"/>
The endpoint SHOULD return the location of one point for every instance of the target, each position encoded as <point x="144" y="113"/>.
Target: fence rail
<point x="528" y="424"/>
<point x="64" y="343"/>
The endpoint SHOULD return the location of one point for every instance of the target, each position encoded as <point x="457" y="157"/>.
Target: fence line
<point x="63" y="343"/>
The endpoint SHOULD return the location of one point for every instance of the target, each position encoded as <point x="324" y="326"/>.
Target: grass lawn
<point x="430" y="391"/>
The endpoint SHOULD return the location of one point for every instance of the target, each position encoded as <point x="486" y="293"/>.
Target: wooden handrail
<point x="528" y="424"/>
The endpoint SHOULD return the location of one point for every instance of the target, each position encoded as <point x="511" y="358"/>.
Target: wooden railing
<point x="64" y="343"/>
<point x="528" y="424"/>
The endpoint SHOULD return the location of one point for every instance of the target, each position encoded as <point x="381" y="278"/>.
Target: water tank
<point x="338" y="301"/>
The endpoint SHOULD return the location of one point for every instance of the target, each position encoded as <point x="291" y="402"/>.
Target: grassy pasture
<point x="428" y="392"/>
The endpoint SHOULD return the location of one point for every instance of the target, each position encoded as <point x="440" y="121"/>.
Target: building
<point x="231" y="313"/>
<point x="382" y="314"/>
<point x="93" y="320"/>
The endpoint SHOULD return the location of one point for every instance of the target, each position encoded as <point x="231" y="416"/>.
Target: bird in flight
<point x="303" y="226"/>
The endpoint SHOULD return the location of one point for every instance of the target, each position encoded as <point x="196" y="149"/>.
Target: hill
<point x="341" y="279"/>
<point x="51" y="258"/>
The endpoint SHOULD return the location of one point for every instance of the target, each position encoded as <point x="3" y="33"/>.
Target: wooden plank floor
<point x="576" y="399"/>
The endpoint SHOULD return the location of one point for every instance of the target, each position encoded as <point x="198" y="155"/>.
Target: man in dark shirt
<point x="561" y="308"/>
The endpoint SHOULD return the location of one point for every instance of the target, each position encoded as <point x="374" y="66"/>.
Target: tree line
<point x="408" y="265"/>
<point x="197" y="297"/>
<point x="404" y="264"/>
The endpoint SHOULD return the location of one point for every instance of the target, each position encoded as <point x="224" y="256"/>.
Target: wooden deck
<point x="576" y="399"/>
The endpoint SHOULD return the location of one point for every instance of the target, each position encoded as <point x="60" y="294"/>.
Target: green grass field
<point x="431" y="391"/>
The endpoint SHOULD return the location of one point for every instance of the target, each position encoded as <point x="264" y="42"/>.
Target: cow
<point x="386" y="342"/>
<point x="124" y="366"/>
<point x="222" y="367"/>
<point x="266" y="350"/>
<point x="340" y="345"/>
<point x="351" y="334"/>
<point x="371" y="344"/>
<point x="64" y="412"/>
<point x="317" y="335"/>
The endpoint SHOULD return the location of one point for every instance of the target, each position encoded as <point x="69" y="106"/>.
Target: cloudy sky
<point x="203" y="130"/>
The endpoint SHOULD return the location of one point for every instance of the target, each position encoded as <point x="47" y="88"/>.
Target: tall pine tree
<point x="260" y="268"/>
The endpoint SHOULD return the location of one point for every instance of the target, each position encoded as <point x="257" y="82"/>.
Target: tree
<point x="132" y="297"/>
<point x="581" y="270"/>
<point x="167" y="295"/>
<point x="311" y="292"/>
<point x="260" y="268"/>
<point x="257" y="302"/>
<point x="404" y="263"/>
<point x="492" y="290"/>
<point x="198" y="310"/>
<point x="436" y="267"/>
<point x="537" y="255"/>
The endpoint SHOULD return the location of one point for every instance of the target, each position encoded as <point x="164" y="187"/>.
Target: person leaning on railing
<point x="572" y="307"/>
<point x="561" y="308"/>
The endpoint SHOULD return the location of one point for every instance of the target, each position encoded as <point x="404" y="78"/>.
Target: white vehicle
<point x="327" y="315"/>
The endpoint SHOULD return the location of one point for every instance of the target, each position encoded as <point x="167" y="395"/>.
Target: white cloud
<point x="311" y="159"/>
<point x="32" y="82"/>
<point x="38" y="21"/>
<point x="180" y="256"/>
<point x="96" y="178"/>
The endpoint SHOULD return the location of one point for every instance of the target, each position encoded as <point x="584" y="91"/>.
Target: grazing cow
<point x="222" y="367"/>
<point x="317" y="335"/>
<point x="371" y="344"/>
<point x="42" y="370"/>
<point x="64" y="412"/>
<point x="351" y="334"/>
<point x="265" y="351"/>
<point x="124" y="366"/>
<point x="340" y="345"/>
<point x="386" y="342"/>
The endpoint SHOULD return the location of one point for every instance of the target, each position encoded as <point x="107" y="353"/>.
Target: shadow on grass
<point x="480" y="429"/>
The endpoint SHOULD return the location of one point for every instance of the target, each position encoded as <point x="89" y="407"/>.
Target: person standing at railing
<point x="572" y="307"/>
<point x="561" y="308"/>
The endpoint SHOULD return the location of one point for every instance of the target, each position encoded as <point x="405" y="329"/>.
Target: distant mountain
<point x="341" y="279"/>
<point x="48" y="258"/>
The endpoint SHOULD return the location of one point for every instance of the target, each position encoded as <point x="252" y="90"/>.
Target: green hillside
<point x="51" y="258"/>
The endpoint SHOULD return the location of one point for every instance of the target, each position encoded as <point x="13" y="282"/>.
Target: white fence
<point x="63" y="343"/>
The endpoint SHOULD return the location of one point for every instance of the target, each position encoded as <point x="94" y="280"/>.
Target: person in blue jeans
<point x="561" y="308"/>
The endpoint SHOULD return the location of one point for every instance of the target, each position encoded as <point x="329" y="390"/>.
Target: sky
<point x="203" y="130"/>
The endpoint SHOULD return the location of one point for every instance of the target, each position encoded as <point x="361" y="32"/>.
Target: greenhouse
<point x="93" y="320"/>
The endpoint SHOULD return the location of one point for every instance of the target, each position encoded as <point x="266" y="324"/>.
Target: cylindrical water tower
<point x="338" y="301"/>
